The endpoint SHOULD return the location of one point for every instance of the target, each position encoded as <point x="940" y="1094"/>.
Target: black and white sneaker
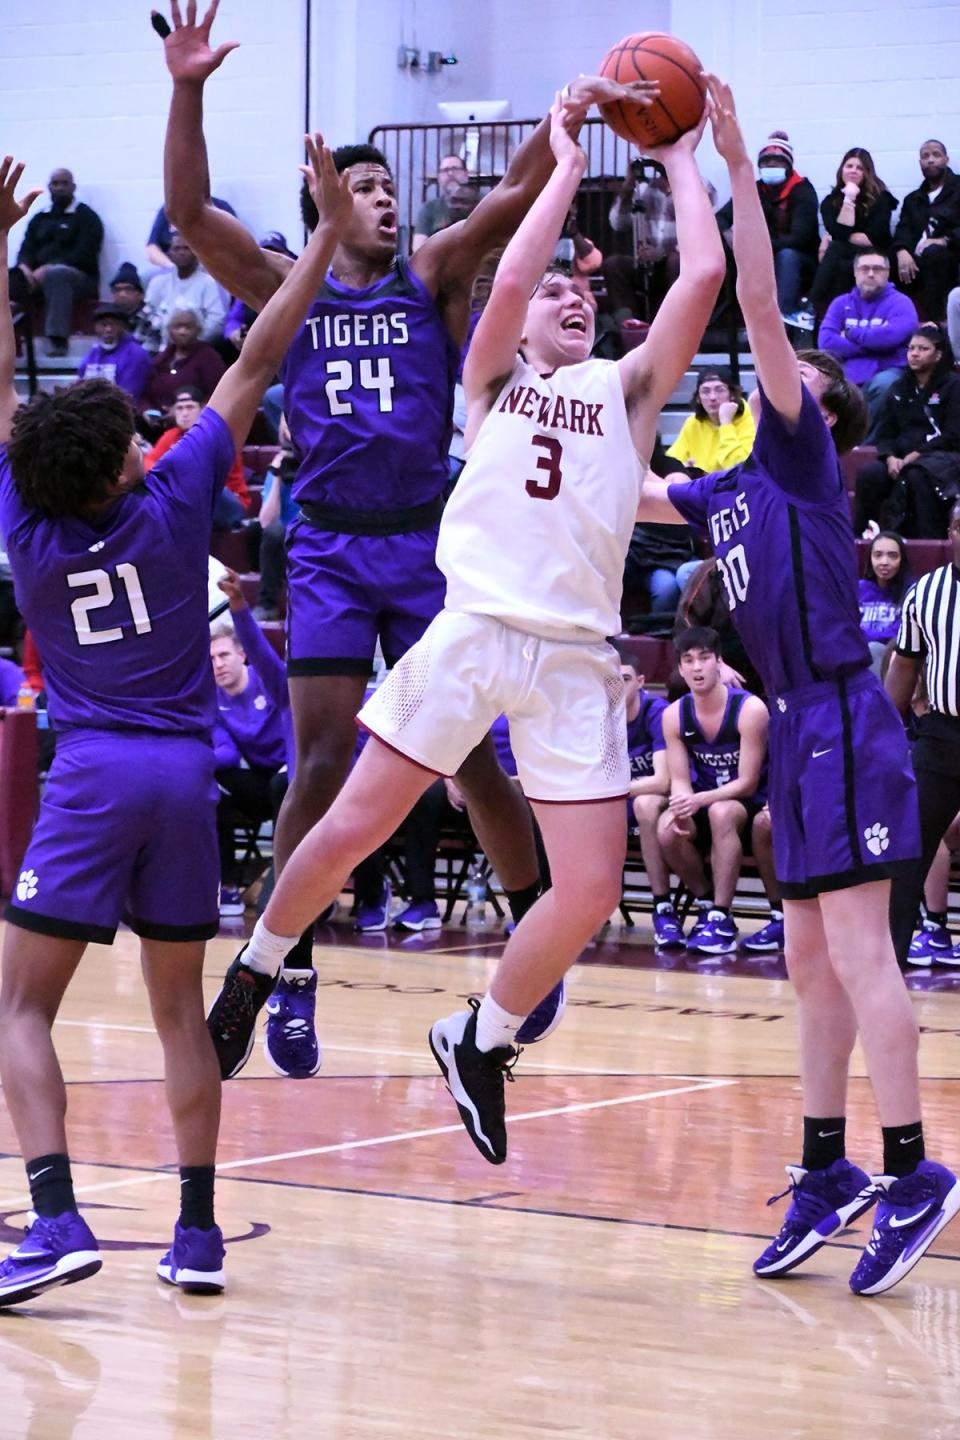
<point x="475" y="1079"/>
<point x="232" y="1020"/>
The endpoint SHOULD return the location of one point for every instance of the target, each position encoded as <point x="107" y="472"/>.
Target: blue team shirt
<point x="368" y="395"/>
<point x="716" y="761"/>
<point x="118" y="605"/>
<point x="779" y="524"/>
<point x="645" y="735"/>
<point x="255" y="725"/>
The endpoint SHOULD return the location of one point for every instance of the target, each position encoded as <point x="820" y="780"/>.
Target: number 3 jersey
<point x="368" y="395"/>
<point x="536" y="532"/>
<point x="117" y="605"/>
<point x="779" y="525"/>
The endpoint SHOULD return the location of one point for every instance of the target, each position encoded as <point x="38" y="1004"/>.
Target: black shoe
<point x="233" y="1016"/>
<point x="475" y="1079"/>
<point x="57" y="349"/>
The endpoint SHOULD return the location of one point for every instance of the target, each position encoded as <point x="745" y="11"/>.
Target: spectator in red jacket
<point x="234" y="501"/>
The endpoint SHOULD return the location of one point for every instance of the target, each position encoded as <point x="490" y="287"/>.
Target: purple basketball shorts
<point x="346" y="590"/>
<point x="127" y="831"/>
<point x="843" y="801"/>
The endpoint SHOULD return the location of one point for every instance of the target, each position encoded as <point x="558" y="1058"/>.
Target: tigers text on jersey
<point x="368" y="395"/>
<point x="537" y="529"/>
<point x="712" y="762"/>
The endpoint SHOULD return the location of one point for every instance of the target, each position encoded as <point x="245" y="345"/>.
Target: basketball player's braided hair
<point x="841" y="397"/>
<point x="67" y="448"/>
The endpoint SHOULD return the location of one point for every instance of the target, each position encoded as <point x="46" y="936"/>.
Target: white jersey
<point x="537" y="529"/>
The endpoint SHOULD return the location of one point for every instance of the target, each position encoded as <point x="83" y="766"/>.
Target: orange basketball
<point x="651" y="56"/>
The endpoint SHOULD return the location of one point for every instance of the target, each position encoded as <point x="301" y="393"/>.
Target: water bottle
<point x="476" y="913"/>
<point x="26" y="699"/>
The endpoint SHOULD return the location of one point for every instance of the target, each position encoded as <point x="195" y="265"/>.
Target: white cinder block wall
<point x="87" y="88"/>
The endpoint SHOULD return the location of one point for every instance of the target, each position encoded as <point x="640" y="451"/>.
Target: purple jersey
<point x="117" y="605"/>
<point x="255" y="725"/>
<point x="712" y="762"/>
<point x="645" y="735"/>
<point x="780" y="528"/>
<point x="368" y="396"/>
<point x="879" y="612"/>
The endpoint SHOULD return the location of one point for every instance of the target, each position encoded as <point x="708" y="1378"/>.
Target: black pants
<point x="273" y="564"/>
<point x="936" y="763"/>
<point x="247" y="796"/>
<point x="834" y="275"/>
<point x="421" y="836"/>
<point x="911" y="504"/>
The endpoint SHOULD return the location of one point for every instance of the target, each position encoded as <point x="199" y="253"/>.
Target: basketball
<point x="674" y="65"/>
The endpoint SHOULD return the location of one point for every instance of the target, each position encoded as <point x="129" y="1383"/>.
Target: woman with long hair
<point x="886" y="579"/>
<point x="856" y="216"/>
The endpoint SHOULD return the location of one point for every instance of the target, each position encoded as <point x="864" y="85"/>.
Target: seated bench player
<point x="649" y="789"/>
<point x="110" y="567"/>
<point x="716" y="739"/>
<point x="558" y="443"/>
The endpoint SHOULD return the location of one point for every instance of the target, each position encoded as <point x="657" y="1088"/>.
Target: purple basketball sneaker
<point x="421" y="915"/>
<point x="930" y="943"/>
<point x="194" y="1261"/>
<point x="545" y="1017"/>
<point x="824" y="1201"/>
<point x="57" y="1251"/>
<point x="768" y="939"/>
<point x="911" y="1213"/>
<point x="715" y="933"/>
<point x="290" y="1043"/>
<point x="667" y="930"/>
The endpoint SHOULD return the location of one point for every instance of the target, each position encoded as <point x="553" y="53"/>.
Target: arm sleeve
<point x="226" y="754"/>
<point x="262" y="656"/>
<point x="692" y="499"/>
<point x="28" y="248"/>
<point x="804" y="232"/>
<point x="909" y="637"/>
<point x="84" y="249"/>
<point x="893" y="329"/>
<point x="213" y="310"/>
<point x="802" y="461"/>
<point x="905" y="235"/>
<point x="828" y="214"/>
<point x="160" y="230"/>
<point x="832" y="336"/>
<point x="949" y="417"/>
<point x="736" y="440"/>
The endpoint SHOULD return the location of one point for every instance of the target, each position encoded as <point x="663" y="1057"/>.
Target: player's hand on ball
<point x="562" y="142"/>
<point x="329" y="191"/>
<point x="589" y="90"/>
<point x="727" y="135"/>
<point x="187" y="48"/>
<point x="11" y="209"/>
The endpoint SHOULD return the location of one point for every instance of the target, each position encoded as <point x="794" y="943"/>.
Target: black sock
<point x="902" y="1148"/>
<point x="724" y="909"/>
<point x="301" y="956"/>
<point x="196" y="1196"/>
<point x="936" y="917"/>
<point x="51" y="1188"/>
<point x="823" y="1141"/>
<point x="520" y="901"/>
<point x="659" y="900"/>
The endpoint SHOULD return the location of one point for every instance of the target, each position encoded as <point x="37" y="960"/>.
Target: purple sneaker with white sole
<point x="421" y="915"/>
<point x="929" y="944"/>
<point x="823" y="1203"/>
<point x="545" y="1017"/>
<point x="194" y="1261"/>
<point x="766" y="940"/>
<point x="56" y="1251"/>
<point x="715" y="933"/>
<point x="911" y="1213"/>
<point x="375" y="916"/>
<point x="667" y="930"/>
<point x="290" y="1043"/>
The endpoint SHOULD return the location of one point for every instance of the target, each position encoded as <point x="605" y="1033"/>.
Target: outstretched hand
<point x="229" y="583"/>
<point x="329" y="191"/>
<point x="727" y="135"/>
<point x="589" y="90"/>
<point x="686" y="143"/>
<point x="13" y="210"/>
<point x="564" y="123"/>
<point x="187" y="47"/>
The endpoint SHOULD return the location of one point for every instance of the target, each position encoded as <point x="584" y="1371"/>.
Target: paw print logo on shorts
<point x="877" y="838"/>
<point x="27" y="885"/>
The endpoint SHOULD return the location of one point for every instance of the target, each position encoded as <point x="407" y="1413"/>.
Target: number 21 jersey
<point x="536" y="531"/>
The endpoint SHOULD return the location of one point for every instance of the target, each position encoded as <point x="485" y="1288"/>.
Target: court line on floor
<point x="342" y="1146"/>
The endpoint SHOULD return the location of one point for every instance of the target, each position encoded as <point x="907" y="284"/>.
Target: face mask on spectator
<point x="772" y="174"/>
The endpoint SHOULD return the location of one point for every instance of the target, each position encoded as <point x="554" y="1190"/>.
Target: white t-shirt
<point x="536" y="531"/>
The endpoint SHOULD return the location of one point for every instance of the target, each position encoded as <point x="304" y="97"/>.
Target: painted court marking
<point x="576" y="1107"/>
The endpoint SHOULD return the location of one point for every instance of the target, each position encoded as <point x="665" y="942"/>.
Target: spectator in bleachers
<point x="12" y="682"/>
<point x="240" y="317"/>
<point x="927" y="237"/>
<point x="278" y="509"/>
<point x="716" y="739"/>
<point x="933" y="942"/>
<point x="233" y="502"/>
<point x="721" y="430"/>
<point x="185" y="286"/>
<point x="577" y="250"/>
<point x="643" y="206"/>
<point x="918" y="443"/>
<point x="867" y="329"/>
<point x="790" y="209"/>
<point x="434" y="214"/>
<point x="126" y="290"/>
<point x="187" y="360"/>
<point x="116" y="356"/>
<point x="252" y="736"/>
<point x="857" y="216"/>
<point x="60" y="255"/>
<point x="886" y="580"/>
<point x="161" y="235"/>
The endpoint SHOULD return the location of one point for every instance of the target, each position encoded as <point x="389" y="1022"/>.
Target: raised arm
<point x="655" y="507"/>
<point x="651" y="371"/>
<point x="224" y="247"/>
<point x="775" y="361"/>
<point x="493" y="348"/>
<point x="11" y="211"/>
<point x="238" y="394"/>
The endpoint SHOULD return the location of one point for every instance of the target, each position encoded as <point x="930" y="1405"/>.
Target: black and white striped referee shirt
<point x="930" y="626"/>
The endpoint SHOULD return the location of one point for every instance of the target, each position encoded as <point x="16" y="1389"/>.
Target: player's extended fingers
<point x="29" y="199"/>
<point x="4" y="168"/>
<point x="210" y="16"/>
<point x="175" y="15"/>
<point x="191" y="12"/>
<point x="641" y="92"/>
<point x="14" y="179"/>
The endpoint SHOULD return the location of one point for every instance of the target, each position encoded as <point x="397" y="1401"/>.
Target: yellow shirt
<point x="714" y="447"/>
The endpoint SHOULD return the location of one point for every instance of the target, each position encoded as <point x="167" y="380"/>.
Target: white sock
<point x="495" y="1026"/>
<point x="265" y="951"/>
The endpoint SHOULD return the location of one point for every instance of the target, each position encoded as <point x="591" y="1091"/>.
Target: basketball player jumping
<point x="368" y="389"/>
<point x="842" y="798"/>
<point x="110" y="569"/>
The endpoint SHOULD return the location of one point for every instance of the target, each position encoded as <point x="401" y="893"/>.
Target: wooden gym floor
<point x="385" y="1283"/>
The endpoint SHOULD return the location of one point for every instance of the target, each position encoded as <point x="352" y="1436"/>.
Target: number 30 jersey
<point x="368" y="395"/>
<point x="117" y="605"/>
<point x="537" y="529"/>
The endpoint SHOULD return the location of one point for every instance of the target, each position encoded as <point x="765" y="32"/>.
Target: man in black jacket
<point x="60" y="254"/>
<point x="927" y="238"/>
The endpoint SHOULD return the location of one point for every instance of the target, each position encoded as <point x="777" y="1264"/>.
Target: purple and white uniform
<point x="842" y="794"/>
<point x="879" y="613"/>
<point x="254" y="726"/>
<point x="118" y="609"/>
<point x="645" y="735"/>
<point x="368" y="395"/>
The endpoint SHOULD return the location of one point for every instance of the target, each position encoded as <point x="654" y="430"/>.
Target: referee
<point x="930" y="628"/>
